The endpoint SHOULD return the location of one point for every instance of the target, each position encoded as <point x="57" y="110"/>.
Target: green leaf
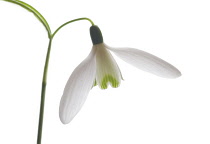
<point x="34" y="11"/>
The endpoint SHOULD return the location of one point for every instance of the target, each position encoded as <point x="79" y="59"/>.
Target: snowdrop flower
<point x="100" y="68"/>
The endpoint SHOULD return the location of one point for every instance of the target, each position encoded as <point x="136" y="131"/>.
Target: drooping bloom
<point x="100" y="68"/>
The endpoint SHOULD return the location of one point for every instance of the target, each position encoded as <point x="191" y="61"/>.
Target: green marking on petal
<point x="109" y="79"/>
<point x="94" y="84"/>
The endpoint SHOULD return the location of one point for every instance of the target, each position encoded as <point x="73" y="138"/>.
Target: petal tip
<point x="64" y="120"/>
<point x="178" y="74"/>
<point x="175" y="74"/>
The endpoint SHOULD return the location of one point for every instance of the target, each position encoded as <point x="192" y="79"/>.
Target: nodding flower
<point x="100" y="68"/>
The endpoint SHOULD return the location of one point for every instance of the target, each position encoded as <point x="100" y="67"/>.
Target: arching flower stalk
<point x="100" y="68"/>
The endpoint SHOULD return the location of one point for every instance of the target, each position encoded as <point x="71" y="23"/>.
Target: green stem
<point x="44" y="83"/>
<point x="71" y="22"/>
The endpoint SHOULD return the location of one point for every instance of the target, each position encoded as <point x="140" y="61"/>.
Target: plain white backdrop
<point x="145" y="109"/>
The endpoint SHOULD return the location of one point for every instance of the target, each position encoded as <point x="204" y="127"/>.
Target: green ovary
<point x="109" y="79"/>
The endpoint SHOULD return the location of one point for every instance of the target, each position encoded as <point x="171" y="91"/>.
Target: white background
<point x="145" y="109"/>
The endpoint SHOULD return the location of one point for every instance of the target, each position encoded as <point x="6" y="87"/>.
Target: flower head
<point x="100" y="68"/>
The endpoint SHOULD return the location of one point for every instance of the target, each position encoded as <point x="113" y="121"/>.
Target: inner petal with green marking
<point x="108" y="79"/>
<point x="107" y="71"/>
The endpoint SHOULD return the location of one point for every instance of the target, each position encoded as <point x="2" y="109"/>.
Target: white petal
<point x="107" y="70"/>
<point x="77" y="88"/>
<point x="146" y="62"/>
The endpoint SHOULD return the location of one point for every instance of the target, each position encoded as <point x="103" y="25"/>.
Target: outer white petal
<point x="107" y="70"/>
<point x="77" y="88"/>
<point x="146" y="62"/>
